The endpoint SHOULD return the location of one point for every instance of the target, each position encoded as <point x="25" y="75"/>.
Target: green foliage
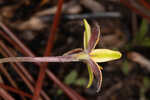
<point x="141" y="39"/>
<point x="146" y="42"/>
<point x="142" y="31"/>
<point x="144" y="88"/>
<point x="125" y="68"/>
<point x="146" y="82"/>
<point x="59" y="92"/>
<point x="81" y="82"/>
<point x="71" y="77"/>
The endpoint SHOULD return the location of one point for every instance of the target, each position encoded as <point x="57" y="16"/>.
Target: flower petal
<point x="74" y="51"/>
<point x="90" y="76"/>
<point x="97" y="72"/>
<point x="87" y="34"/>
<point x="104" y="55"/>
<point x="94" y="39"/>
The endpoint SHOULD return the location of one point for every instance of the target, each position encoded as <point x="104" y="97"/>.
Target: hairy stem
<point x="39" y="59"/>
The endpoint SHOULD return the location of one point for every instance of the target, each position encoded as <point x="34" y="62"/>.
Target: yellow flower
<point x="91" y="56"/>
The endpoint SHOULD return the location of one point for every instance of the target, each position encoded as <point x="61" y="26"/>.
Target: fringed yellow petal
<point x="91" y="76"/>
<point x="87" y="34"/>
<point x="104" y="55"/>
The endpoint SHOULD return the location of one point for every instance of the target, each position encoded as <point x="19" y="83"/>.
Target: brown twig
<point x="71" y="93"/>
<point x="92" y="5"/>
<point x="129" y="5"/>
<point x="146" y="4"/>
<point x="48" y="51"/>
<point x="140" y="59"/>
<point x="22" y="70"/>
<point x="15" y="90"/>
<point x="2" y="68"/>
<point x="24" y="50"/>
<point x="5" y="54"/>
<point x="111" y="90"/>
<point x="119" y="85"/>
<point x="5" y="95"/>
<point x="134" y="24"/>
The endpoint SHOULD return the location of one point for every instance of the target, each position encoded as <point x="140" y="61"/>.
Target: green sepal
<point x="87" y="34"/>
<point x="91" y="76"/>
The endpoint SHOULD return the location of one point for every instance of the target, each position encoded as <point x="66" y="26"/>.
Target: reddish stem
<point x="48" y="50"/>
<point x="15" y="90"/>
<point x="23" y="49"/>
<point x="14" y="38"/>
<point x="3" y="69"/>
<point x="9" y="53"/>
<point x="146" y="4"/>
<point x="5" y="95"/>
<point x="3" y="46"/>
<point x="134" y="9"/>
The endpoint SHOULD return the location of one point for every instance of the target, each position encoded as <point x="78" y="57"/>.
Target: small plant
<point x="88" y="55"/>
<point x="142" y="39"/>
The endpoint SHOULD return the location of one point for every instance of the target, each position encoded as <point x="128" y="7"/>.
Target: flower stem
<point x="39" y="59"/>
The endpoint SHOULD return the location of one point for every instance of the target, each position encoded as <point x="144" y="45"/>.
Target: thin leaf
<point x="125" y="67"/>
<point x="104" y="55"/>
<point x="97" y="72"/>
<point x="87" y="34"/>
<point x="94" y="37"/>
<point x="146" y="82"/>
<point x="142" y="31"/>
<point x="90" y="76"/>
<point x="145" y="42"/>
